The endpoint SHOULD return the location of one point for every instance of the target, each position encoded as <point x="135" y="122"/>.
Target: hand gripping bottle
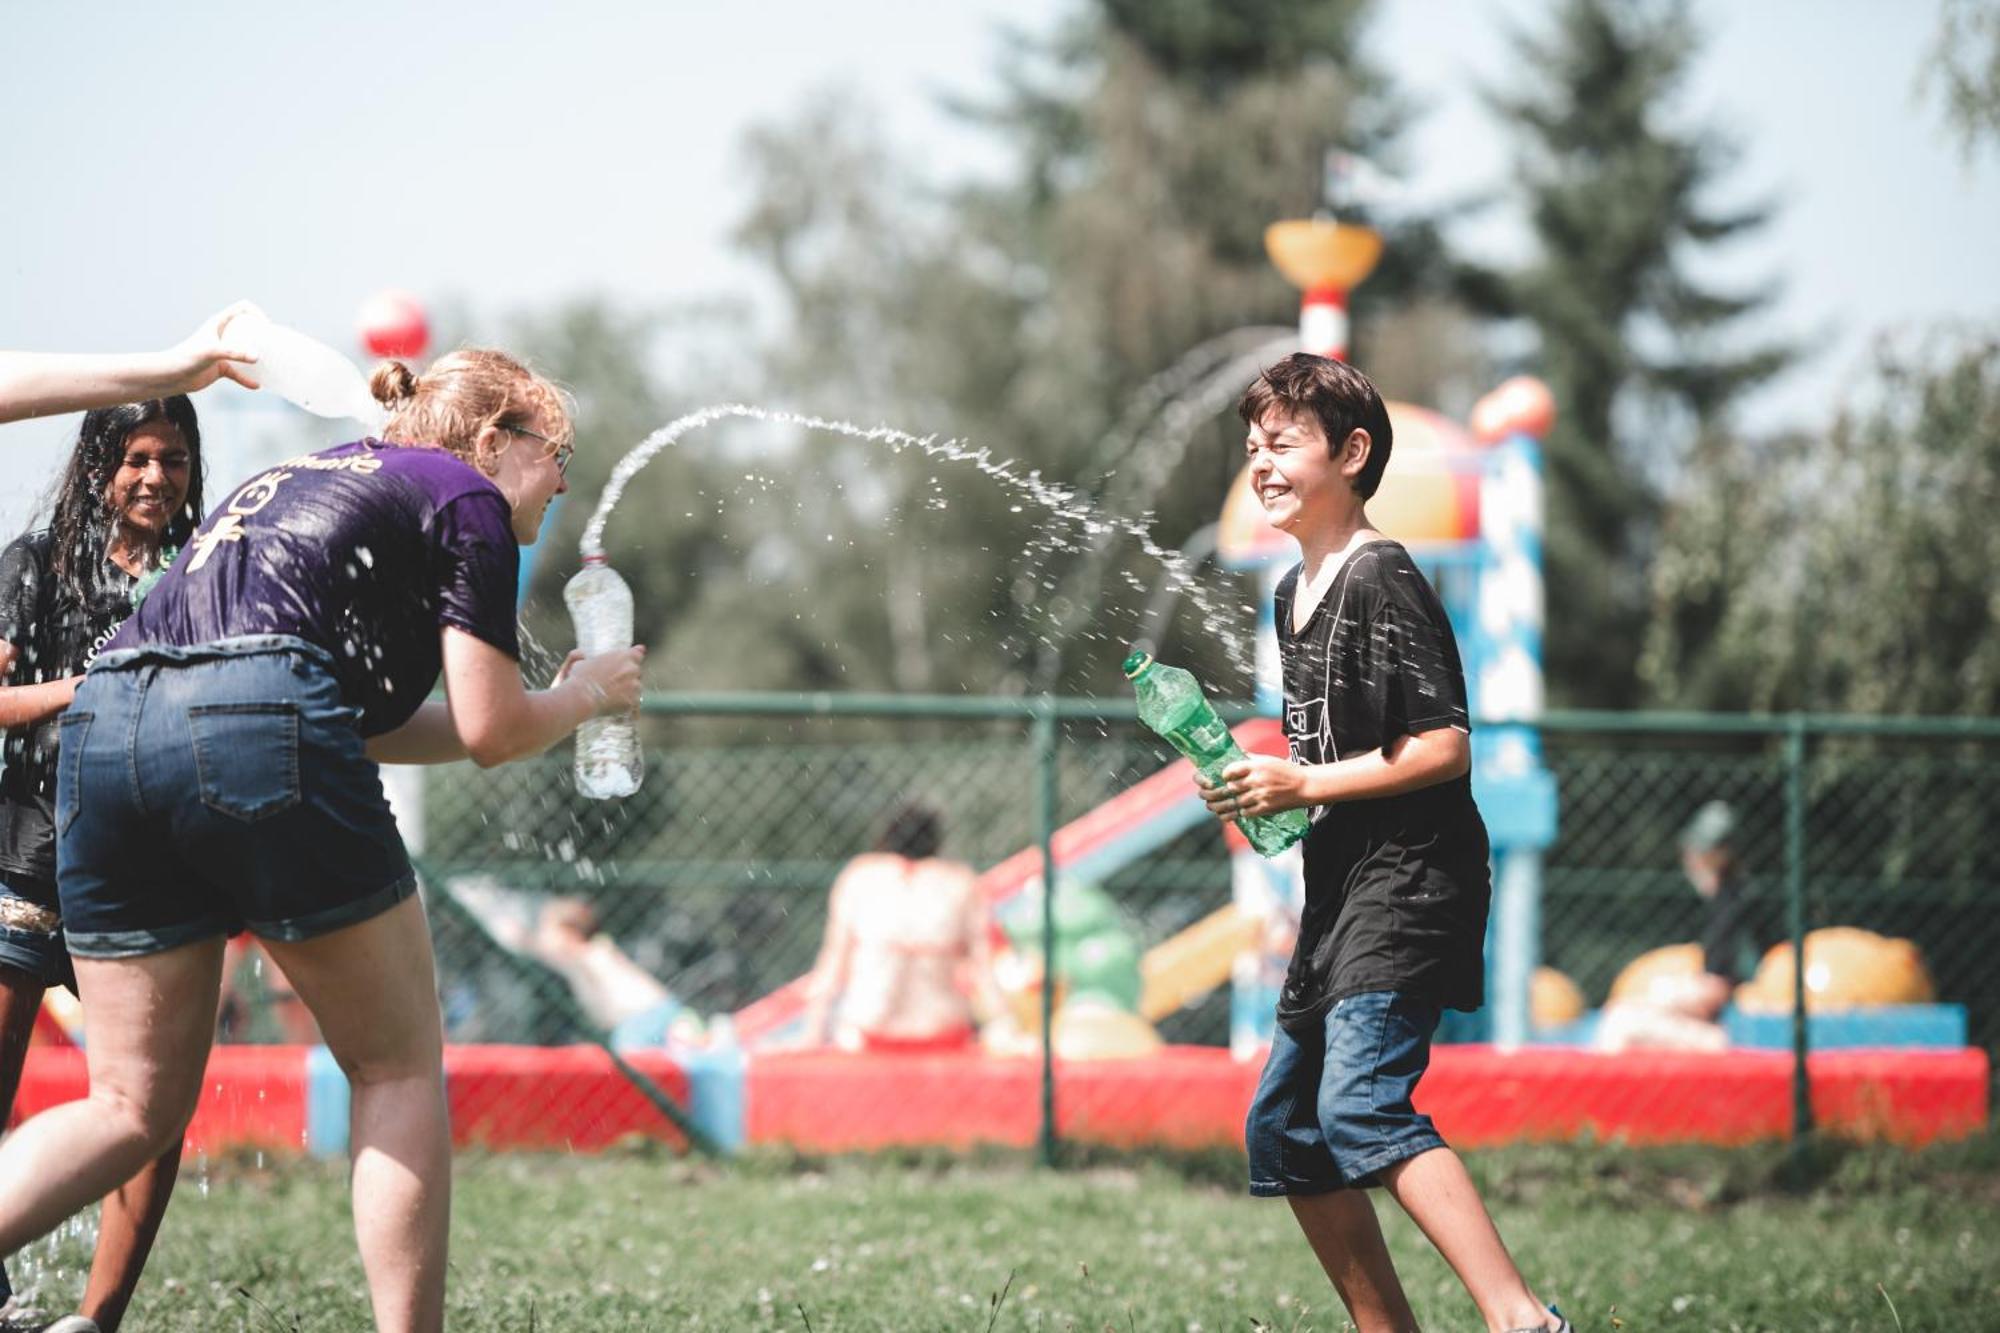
<point x="1171" y="703"/>
<point x="304" y="371"/>
<point x="608" y="762"/>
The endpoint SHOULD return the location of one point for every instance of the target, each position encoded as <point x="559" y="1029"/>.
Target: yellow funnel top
<point x="1311" y="253"/>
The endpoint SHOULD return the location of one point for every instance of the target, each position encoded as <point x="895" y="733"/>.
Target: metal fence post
<point x="1045" y="834"/>
<point x="1795" y="913"/>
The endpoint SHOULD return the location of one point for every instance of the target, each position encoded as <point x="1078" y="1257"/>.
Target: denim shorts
<point x="1333" y="1107"/>
<point x="202" y="789"/>
<point x="31" y="938"/>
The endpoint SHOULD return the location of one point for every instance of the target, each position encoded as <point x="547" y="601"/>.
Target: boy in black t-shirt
<point x="1396" y="872"/>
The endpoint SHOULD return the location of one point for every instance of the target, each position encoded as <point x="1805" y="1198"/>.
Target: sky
<point x="165" y="160"/>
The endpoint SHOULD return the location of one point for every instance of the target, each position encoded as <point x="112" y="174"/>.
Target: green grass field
<point x="1625" y="1240"/>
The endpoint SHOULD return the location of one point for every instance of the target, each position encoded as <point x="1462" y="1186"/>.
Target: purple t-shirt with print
<point x="365" y="550"/>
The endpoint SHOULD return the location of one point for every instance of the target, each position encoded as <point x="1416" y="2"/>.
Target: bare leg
<point x="1344" y="1234"/>
<point x="295" y="1021"/>
<point x="373" y="988"/>
<point x="20" y="1001"/>
<point x="147" y="1024"/>
<point x="1435" y="1190"/>
<point x="132" y="1214"/>
<point x="125" y="1234"/>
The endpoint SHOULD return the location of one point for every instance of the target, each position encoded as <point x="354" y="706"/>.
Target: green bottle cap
<point x="1138" y="661"/>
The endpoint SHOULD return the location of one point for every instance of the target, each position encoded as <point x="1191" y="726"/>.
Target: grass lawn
<point x="1625" y="1240"/>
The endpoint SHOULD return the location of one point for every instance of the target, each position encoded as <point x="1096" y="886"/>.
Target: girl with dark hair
<point x="129" y="496"/>
<point x="219" y="770"/>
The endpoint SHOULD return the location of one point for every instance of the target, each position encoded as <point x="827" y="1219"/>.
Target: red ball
<point x="393" y="323"/>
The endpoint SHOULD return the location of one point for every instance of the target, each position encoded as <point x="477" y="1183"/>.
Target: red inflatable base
<point x="560" y="1098"/>
<point x="565" y="1098"/>
<point x="252" y="1097"/>
<point x="1195" y="1097"/>
<point x="572" y="1098"/>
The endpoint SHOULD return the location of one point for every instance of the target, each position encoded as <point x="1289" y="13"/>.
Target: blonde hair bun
<point x="461" y="395"/>
<point x="393" y="384"/>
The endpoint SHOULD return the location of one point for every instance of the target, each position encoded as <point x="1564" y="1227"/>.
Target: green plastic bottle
<point x="1171" y="703"/>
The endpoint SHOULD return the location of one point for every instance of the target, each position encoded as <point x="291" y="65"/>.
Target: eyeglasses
<point x="562" y="453"/>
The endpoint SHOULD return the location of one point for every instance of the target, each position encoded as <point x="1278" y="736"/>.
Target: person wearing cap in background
<point x="1684" y="1011"/>
<point x="1708" y="857"/>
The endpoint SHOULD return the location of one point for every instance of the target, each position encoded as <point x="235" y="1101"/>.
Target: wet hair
<point x="1337" y="395"/>
<point x="913" y="830"/>
<point x="80" y="515"/>
<point x="462" y="394"/>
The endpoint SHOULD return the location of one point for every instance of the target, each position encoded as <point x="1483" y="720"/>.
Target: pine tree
<point x="1026" y="313"/>
<point x="1153" y="143"/>
<point x="1640" y="352"/>
<point x="1850" y="572"/>
<point x="1965" y="70"/>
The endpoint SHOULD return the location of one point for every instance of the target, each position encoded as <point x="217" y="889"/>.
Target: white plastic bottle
<point x="304" y="370"/>
<point x="608" y="762"/>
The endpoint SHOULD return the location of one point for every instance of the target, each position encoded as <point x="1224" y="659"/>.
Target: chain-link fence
<point x="715" y="879"/>
<point x="1874" y="840"/>
<point x="675" y="927"/>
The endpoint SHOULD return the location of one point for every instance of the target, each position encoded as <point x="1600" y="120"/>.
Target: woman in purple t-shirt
<point x="217" y="770"/>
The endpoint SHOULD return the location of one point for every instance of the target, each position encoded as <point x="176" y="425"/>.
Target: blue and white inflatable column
<point x="1516" y="793"/>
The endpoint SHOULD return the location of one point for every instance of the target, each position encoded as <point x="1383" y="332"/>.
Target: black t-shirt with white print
<point x="1396" y="887"/>
<point x="55" y="636"/>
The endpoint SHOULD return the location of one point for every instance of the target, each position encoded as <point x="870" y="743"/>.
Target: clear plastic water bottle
<point x="608" y="762"/>
<point x="1172" y="704"/>
<point x="305" y="371"/>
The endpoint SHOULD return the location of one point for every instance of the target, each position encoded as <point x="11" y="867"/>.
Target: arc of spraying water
<point x="1193" y="367"/>
<point x="1134" y="490"/>
<point x="1062" y="502"/>
<point x="1162" y="393"/>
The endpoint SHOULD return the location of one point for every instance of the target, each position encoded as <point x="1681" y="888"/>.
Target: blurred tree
<point x="1148" y="147"/>
<point x="1639" y="351"/>
<point x="1965" y="68"/>
<point x="631" y="373"/>
<point x="1848" y="574"/>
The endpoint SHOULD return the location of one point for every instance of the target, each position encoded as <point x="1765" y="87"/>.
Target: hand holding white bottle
<point x="608" y="760"/>
<point x="304" y="370"/>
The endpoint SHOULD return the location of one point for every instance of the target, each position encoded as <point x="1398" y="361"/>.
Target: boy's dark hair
<point x="913" y="831"/>
<point x="1337" y="395"/>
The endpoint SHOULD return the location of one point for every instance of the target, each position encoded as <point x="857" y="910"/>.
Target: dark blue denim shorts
<point x="203" y="789"/>
<point x="1333" y="1107"/>
<point x="31" y="931"/>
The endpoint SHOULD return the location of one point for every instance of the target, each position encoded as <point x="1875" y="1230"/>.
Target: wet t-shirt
<point x="365" y="550"/>
<point x="1396" y="887"/>
<point x="55" y="635"/>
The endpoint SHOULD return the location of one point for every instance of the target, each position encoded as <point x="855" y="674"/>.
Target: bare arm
<point x="829" y="974"/>
<point x="496" y="719"/>
<point x="427" y="738"/>
<point x="431" y="736"/>
<point x="35" y="384"/>
<point x="24" y="705"/>
<point x="1264" y="784"/>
